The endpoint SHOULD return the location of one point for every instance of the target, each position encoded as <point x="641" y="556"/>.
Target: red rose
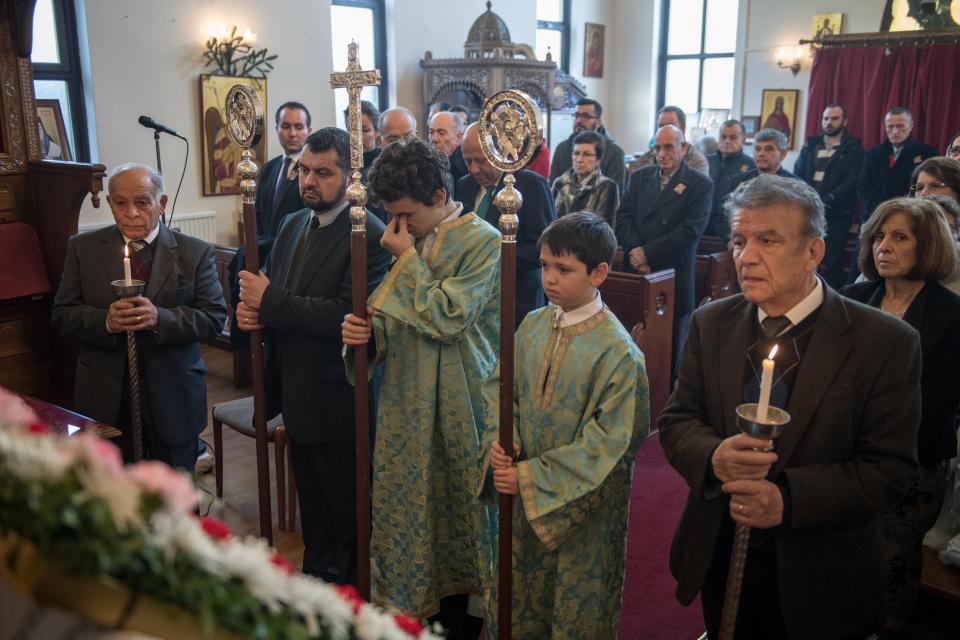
<point x="349" y="593"/>
<point x="408" y="624"/>
<point x="279" y="561"/>
<point x="39" y="428"/>
<point x="216" y="529"/>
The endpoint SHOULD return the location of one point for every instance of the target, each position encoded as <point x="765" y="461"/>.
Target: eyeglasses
<point x="584" y="154"/>
<point x="584" y="116"/>
<point x="922" y="188"/>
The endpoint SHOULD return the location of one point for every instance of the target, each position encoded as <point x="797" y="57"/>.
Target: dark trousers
<point x="180" y="456"/>
<point x="455" y="620"/>
<point x="834" y="257"/>
<point x="759" y="616"/>
<point x="326" y="487"/>
<point x="681" y="324"/>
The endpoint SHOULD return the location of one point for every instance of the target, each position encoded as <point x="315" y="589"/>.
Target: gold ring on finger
<point x="739" y="508"/>
<point x="138" y="318"/>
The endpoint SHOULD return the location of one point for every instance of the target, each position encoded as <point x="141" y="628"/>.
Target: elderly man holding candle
<point x="182" y="305"/>
<point x="848" y="375"/>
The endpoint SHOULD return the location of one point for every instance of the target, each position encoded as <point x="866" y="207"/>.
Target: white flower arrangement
<point x="150" y="515"/>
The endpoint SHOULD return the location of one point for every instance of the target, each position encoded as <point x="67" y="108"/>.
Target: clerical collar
<point x="563" y="318"/>
<point x="802" y="309"/>
<point x="325" y="218"/>
<point x="426" y="243"/>
<point x="148" y="240"/>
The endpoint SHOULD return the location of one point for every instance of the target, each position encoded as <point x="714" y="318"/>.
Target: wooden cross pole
<point x="354" y="79"/>
<point x="244" y="116"/>
<point x="509" y="136"/>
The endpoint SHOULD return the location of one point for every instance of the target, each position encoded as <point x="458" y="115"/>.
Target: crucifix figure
<point x="354" y="79"/>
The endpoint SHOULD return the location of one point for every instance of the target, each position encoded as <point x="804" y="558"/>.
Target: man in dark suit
<point x="446" y="134"/>
<point x="277" y="192"/>
<point x="182" y="305"/>
<point x="661" y="219"/>
<point x="476" y="192"/>
<point x="830" y="163"/>
<point x="769" y="151"/>
<point x="728" y="161"/>
<point x="301" y="302"/>
<point x="887" y="167"/>
<point x="848" y="375"/>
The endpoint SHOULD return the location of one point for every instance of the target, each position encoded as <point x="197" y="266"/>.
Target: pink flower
<point x="216" y="529"/>
<point x="174" y="487"/>
<point x="279" y="561"/>
<point x="102" y="452"/>
<point x="14" y="410"/>
<point x="408" y="624"/>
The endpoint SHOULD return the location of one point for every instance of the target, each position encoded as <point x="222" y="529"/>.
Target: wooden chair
<point x="238" y="415"/>
<point x="715" y="277"/>
<point x="644" y="304"/>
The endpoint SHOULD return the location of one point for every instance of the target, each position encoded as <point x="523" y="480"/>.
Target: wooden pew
<point x="715" y="277"/>
<point x="644" y="304"/>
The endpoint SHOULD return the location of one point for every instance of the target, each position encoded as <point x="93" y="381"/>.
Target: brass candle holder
<point x="770" y="429"/>
<point x="130" y="289"/>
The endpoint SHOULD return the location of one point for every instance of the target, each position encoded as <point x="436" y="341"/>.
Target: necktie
<point x="281" y="183"/>
<point x="485" y="203"/>
<point x="774" y="326"/>
<point x="140" y="260"/>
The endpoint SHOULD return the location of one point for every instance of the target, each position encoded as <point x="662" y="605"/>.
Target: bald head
<point x="479" y="167"/>
<point x="445" y="132"/>
<point x="669" y="147"/>
<point x="396" y="124"/>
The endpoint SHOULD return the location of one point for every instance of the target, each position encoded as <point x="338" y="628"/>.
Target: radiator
<point x="201" y="224"/>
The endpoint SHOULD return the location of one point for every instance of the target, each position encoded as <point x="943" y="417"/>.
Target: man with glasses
<point x="672" y="115"/>
<point x="888" y="166"/>
<point x="830" y="163"/>
<point x="587" y="117"/>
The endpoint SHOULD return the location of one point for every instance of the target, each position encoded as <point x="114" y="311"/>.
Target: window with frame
<point x="698" y="41"/>
<point x="57" y="72"/>
<point x="364" y="22"/>
<point x="553" y="32"/>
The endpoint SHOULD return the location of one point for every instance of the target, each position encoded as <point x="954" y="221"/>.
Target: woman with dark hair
<point x="905" y="249"/>
<point x="936" y="176"/>
<point x="583" y="187"/>
<point x="953" y="149"/>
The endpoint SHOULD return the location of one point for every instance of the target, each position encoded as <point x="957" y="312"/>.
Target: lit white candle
<point x="766" y="384"/>
<point x="127" y="275"/>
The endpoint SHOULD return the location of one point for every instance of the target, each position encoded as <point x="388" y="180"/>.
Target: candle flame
<point x="126" y="252"/>
<point x="773" y="352"/>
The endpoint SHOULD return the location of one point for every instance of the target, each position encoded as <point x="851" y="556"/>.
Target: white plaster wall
<point x="145" y="59"/>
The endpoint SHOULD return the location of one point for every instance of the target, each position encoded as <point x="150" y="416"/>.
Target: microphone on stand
<point x="158" y="128"/>
<point x="150" y="123"/>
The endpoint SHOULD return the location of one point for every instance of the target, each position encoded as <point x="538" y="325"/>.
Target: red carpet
<point x="650" y="610"/>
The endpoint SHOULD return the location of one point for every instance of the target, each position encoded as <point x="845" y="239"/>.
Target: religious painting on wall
<point x="826" y="24"/>
<point x="920" y="15"/>
<point x="778" y="111"/>
<point x="219" y="155"/>
<point x="54" y="144"/>
<point x="711" y="119"/>
<point x="593" y="50"/>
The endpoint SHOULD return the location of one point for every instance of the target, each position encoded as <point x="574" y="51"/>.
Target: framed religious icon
<point x="826" y="24"/>
<point x="751" y="124"/>
<point x="593" y="50"/>
<point x="916" y="15"/>
<point x="779" y="111"/>
<point x="219" y="155"/>
<point x="54" y="144"/>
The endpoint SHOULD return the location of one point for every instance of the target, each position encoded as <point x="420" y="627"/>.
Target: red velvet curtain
<point x="869" y="81"/>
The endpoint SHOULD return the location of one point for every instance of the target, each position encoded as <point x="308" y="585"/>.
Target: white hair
<point x="155" y="178"/>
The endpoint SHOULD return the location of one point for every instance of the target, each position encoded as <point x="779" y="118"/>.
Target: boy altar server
<point x="435" y="329"/>
<point x="582" y="408"/>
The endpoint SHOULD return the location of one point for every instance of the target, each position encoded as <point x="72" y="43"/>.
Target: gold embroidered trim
<point x="387" y="285"/>
<point x="442" y="231"/>
<point x="544" y="392"/>
<point x="528" y="493"/>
